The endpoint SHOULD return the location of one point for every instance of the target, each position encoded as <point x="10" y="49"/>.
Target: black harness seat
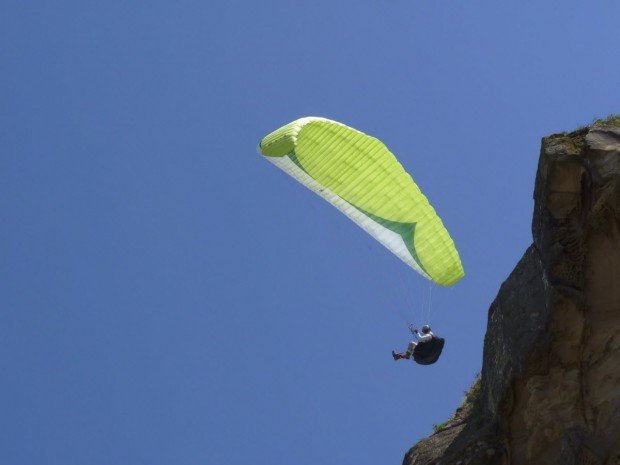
<point x="427" y="353"/>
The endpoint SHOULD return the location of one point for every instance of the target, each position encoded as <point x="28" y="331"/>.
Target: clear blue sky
<point x="168" y="297"/>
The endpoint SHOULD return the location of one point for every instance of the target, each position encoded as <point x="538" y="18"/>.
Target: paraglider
<point x="357" y="174"/>
<point x="426" y="350"/>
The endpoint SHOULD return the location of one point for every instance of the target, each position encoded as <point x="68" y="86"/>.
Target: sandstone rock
<point x="550" y="384"/>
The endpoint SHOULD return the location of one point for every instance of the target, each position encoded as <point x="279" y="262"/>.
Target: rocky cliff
<point x="549" y="390"/>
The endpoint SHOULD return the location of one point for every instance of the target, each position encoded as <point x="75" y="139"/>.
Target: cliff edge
<point x="549" y="390"/>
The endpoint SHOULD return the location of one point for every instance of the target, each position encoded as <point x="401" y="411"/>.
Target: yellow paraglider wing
<point x="359" y="175"/>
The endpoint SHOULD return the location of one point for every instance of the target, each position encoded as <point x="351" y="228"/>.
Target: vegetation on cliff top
<point x="611" y="120"/>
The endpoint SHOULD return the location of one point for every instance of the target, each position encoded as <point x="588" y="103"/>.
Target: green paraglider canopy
<point x="359" y="175"/>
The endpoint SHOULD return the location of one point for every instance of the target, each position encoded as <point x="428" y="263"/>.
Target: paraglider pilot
<point x="425" y="337"/>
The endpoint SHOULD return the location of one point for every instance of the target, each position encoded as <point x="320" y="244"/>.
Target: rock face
<point x="549" y="391"/>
